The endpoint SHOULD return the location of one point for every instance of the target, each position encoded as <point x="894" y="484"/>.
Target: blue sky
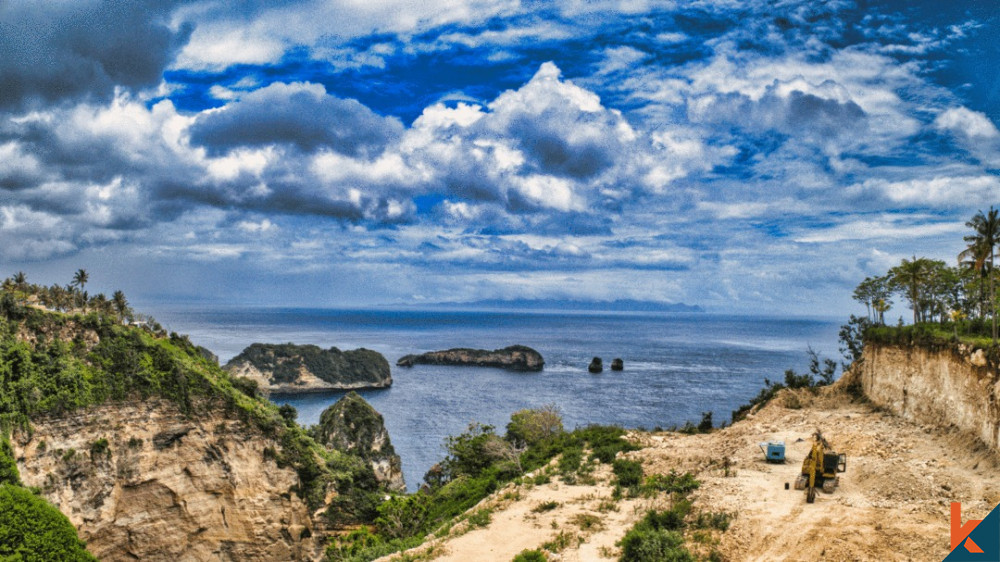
<point x="759" y="157"/>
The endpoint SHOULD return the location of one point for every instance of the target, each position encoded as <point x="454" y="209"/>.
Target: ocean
<point x="677" y="366"/>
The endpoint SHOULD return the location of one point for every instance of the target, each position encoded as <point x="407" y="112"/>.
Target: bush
<point x="530" y="556"/>
<point x="629" y="473"/>
<point x="529" y="427"/>
<point x="657" y="537"/>
<point x="653" y="545"/>
<point x="402" y="516"/>
<point x="671" y="483"/>
<point x="33" y="530"/>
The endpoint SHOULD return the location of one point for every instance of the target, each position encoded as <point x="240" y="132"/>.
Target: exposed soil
<point x="893" y="502"/>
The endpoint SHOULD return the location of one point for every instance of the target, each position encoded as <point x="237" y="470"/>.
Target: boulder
<point x="515" y="358"/>
<point x="596" y="365"/>
<point x="617" y="364"/>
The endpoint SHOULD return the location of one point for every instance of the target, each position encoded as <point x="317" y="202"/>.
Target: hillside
<point x="892" y="504"/>
<point x="154" y="452"/>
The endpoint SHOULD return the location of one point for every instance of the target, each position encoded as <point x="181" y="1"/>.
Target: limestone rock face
<point x="957" y="387"/>
<point x="351" y="425"/>
<point x="289" y="368"/>
<point x="515" y="358"/>
<point x="146" y="482"/>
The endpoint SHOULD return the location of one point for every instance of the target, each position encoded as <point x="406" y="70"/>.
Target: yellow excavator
<point x="820" y="468"/>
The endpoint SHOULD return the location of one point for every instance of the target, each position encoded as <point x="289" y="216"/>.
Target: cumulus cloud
<point x="299" y="114"/>
<point x="66" y="50"/>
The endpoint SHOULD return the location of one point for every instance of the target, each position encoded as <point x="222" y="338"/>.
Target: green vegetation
<point x="659" y="535"/>
<point x="33" y="530"/>
<point x="285" y="361"/>
<point x="479" y="462"/>
<point x="953" y="303"/>
<point x="530" y="556"/>
<point x="61" y="351"/>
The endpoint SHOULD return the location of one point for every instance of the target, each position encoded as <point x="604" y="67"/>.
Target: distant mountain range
<point x="620" y="305"/>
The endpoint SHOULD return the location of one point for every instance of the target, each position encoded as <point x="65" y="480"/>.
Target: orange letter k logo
<point x="960" y="532"/>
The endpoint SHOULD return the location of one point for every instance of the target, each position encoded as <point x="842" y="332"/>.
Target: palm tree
<point x="20" y="279"/>
<point x="986" y="236"/>
<point x="121" y="305"/>
<point x="80" y="278"/>
<point x="911" y="277"/>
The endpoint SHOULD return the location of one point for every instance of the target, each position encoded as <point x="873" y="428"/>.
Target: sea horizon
<point x="677" y="365"/>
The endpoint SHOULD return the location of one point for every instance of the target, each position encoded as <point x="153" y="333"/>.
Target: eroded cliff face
<point x="949" y="387"/>
<point x="144" y="481"/>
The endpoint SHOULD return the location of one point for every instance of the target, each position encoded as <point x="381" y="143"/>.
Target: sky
<point x="759" y="157"/>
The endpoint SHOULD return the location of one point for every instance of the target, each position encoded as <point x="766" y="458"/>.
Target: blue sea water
<point x="676" y="365"/>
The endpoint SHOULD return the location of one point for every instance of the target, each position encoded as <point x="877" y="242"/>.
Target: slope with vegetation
<point x="150" y="448"/>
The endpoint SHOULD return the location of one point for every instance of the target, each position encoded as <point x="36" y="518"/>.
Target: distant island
<point x="515" y="358"/>
<point x="619" y="305"/>
<point x="290" y="368"/>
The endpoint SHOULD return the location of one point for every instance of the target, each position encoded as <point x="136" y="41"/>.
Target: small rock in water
<point x="617" y="364"/>
<point x="596" y="365"/>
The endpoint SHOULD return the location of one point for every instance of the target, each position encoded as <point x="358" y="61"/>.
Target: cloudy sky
<point x="755" y="156"/>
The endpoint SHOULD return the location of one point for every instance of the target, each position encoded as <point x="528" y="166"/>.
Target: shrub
<point x="653" y="545"/>
<point x="629" y="473"/>
<point x="545" y="506"/>
<point x="402" y="516"/>
<point x="671" y="483"/>
<point x="531" y="426"/>
<point x="530" y="556"/>
<point x="33" y="530"/>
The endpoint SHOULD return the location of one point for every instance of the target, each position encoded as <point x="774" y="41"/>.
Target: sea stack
<point x="596" y="365"/>
<point x="617" y="364"/>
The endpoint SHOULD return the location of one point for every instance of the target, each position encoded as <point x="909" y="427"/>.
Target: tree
<point x="20" y="280"/>
<point x="121" y="305"/>
<point x="982" y="244"/>
<point x="875" y="293"/>
<point x="531" y="426"/>
<point x="80" y="279"/>
<point x="911" y="278"/>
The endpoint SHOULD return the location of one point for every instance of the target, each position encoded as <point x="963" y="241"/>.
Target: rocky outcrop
<point x="146" y="482"/>
<point x="947" y="386"/>
<point x="289" y="368"/>
<point x="617" y="364"/>
<point x="515" y="358"/>
<point x="596" y="365"/>
<point x="352" y="426"/>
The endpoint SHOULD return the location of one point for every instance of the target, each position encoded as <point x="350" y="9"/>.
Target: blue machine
<point x="774" y="451"/>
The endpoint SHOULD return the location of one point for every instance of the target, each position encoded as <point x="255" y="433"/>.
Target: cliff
<point x="949" y="385"/>
<point x="289" y="368"/>
<point x="155" y="453"/>
<point x="515" y="357"/>
<point x="147" y="482"/>
<point x="354" y="427"/>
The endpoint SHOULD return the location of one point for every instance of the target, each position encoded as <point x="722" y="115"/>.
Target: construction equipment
<point x="774" y="451"/>
<point x="820" y="468"/>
